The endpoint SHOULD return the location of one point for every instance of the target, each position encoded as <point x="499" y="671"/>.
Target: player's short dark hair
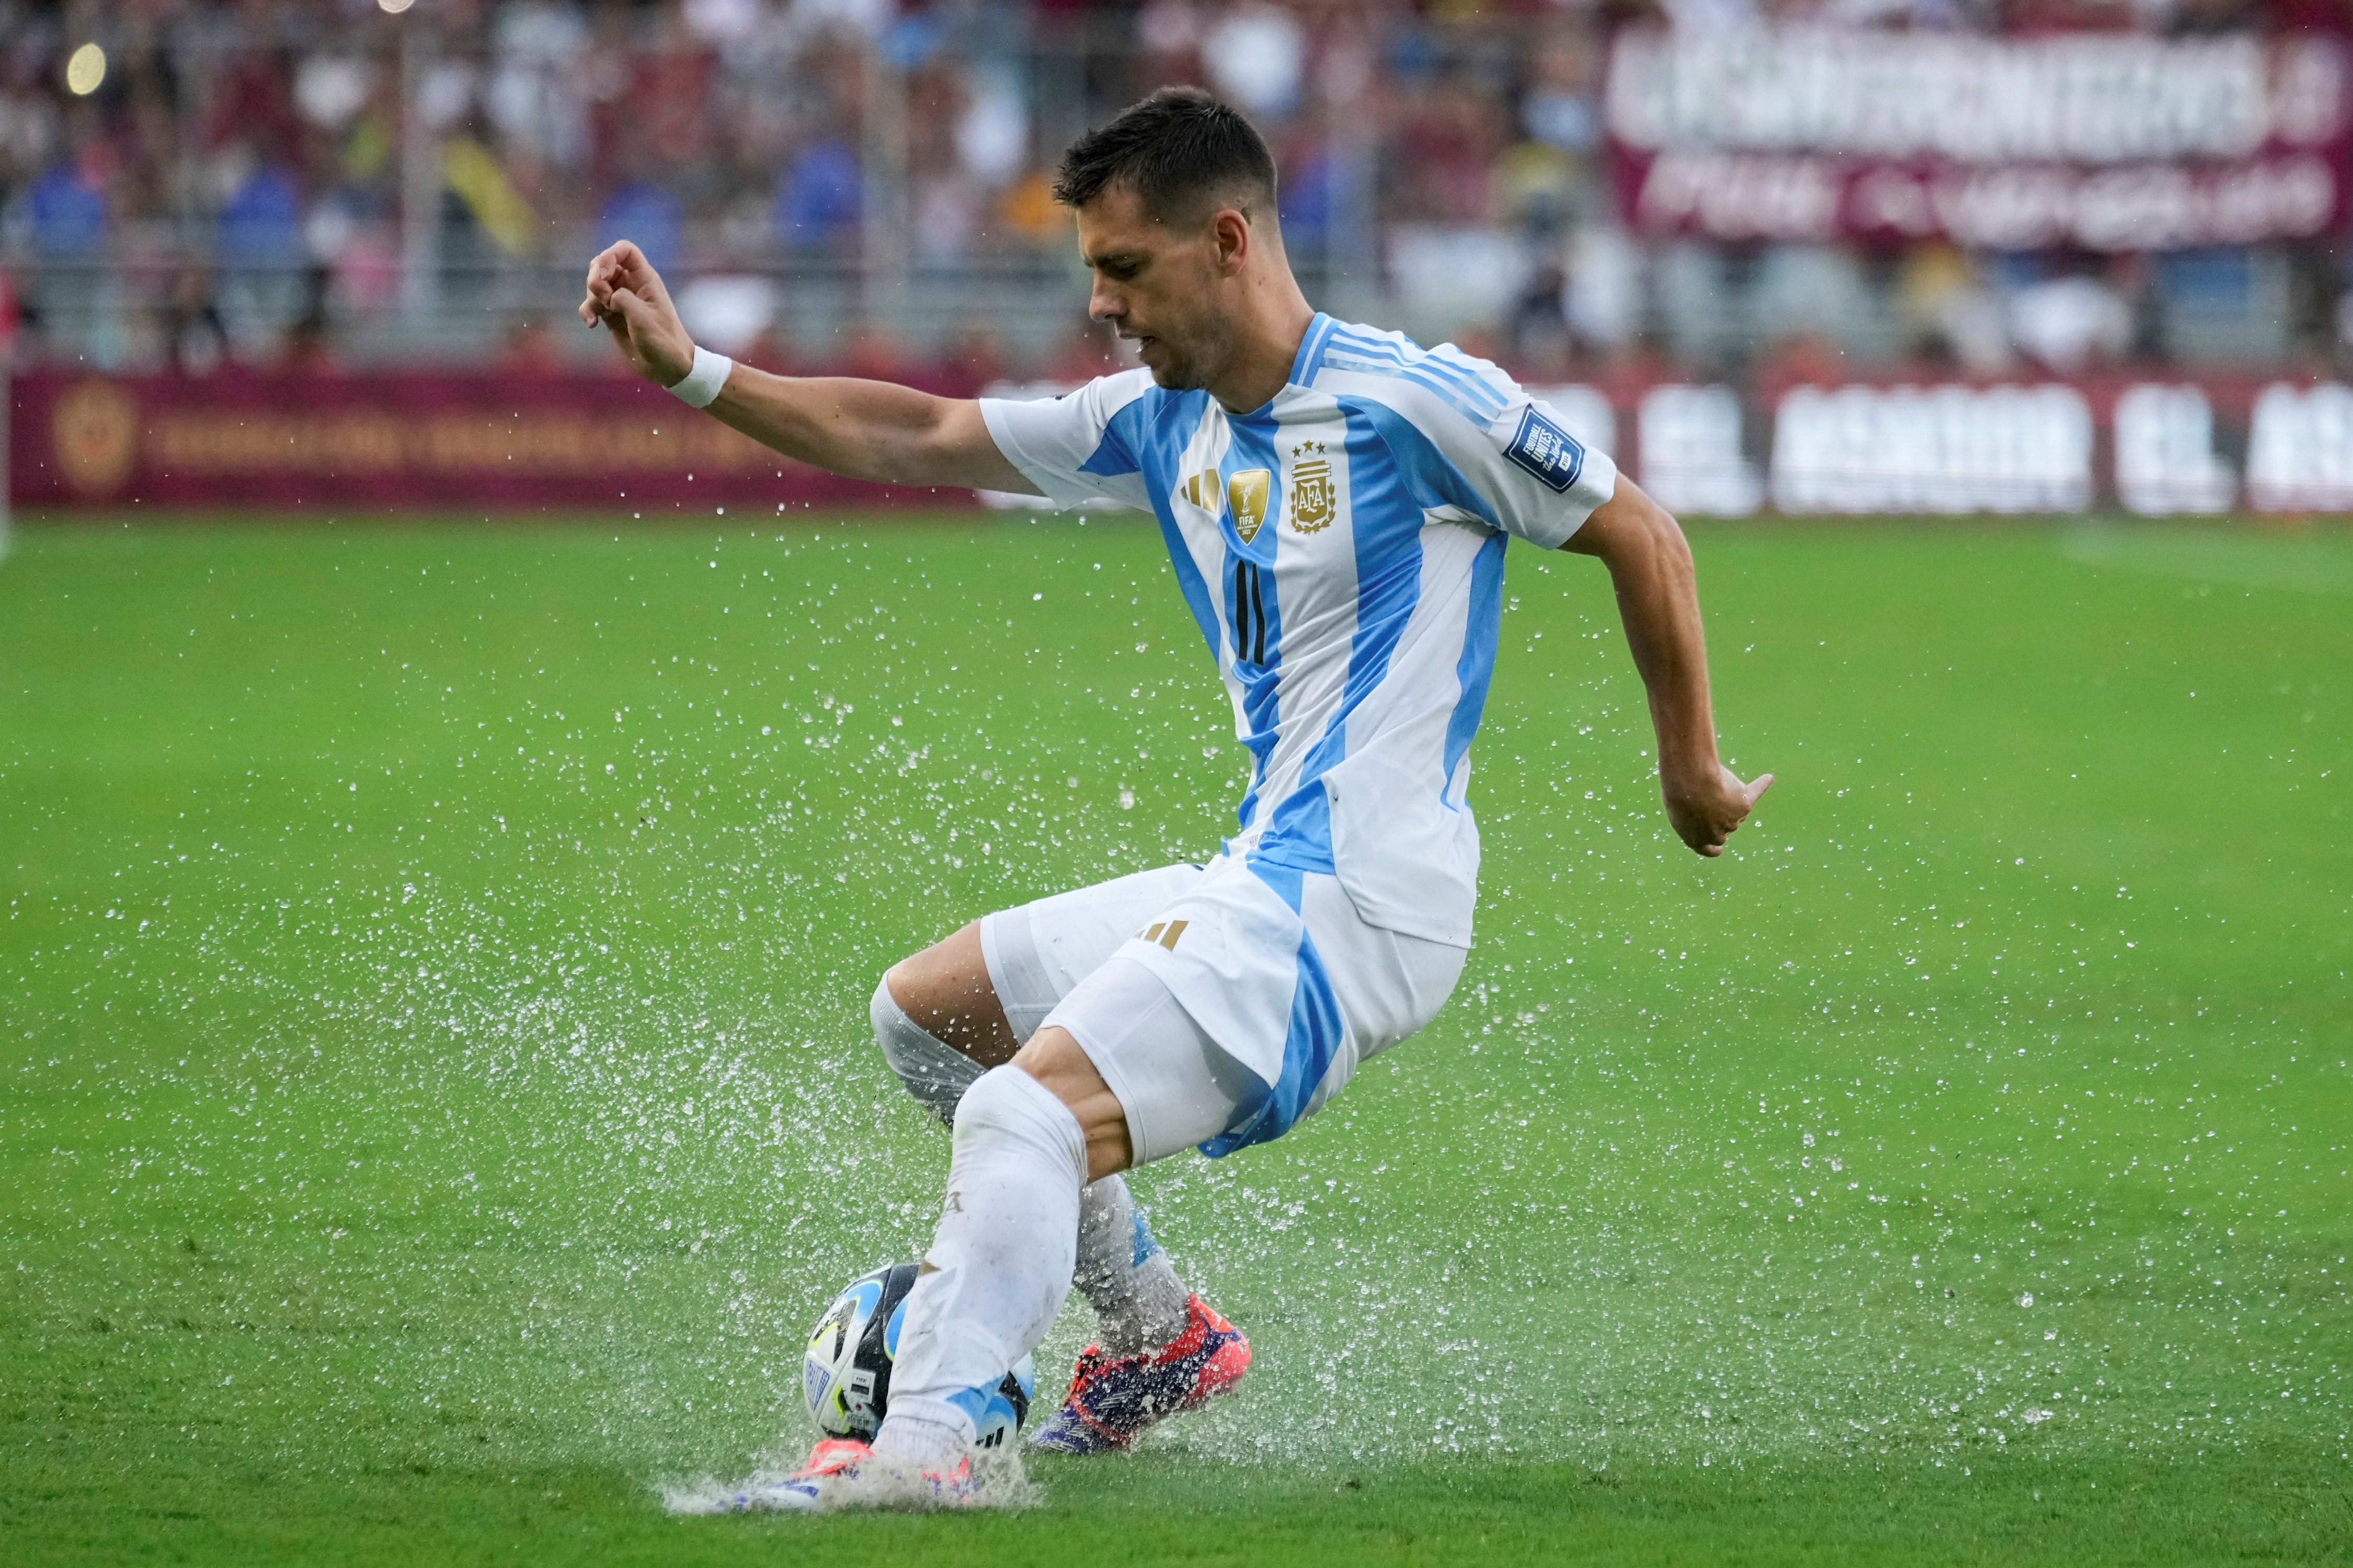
<point x="1180" y="150"/>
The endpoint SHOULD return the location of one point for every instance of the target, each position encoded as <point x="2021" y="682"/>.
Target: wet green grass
<point x="436" y="1096"/>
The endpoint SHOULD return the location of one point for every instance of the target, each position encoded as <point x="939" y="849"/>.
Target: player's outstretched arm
<point x="1658" y="597"/>
<point x="866" y="429"/>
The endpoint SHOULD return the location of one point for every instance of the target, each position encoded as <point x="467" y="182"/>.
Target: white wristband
<point x="703" y="383"/>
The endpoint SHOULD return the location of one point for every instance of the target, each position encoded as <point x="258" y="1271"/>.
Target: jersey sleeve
<point x="1067" y="446"/>
<point x="1502" y="457"/>
<point x="1539" y="481"/>
<point x="1547" y="481"/>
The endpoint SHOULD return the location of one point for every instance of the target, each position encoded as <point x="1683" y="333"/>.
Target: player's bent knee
<point x="1063" y="1068"/>
<point x="1005" y="1105"/>
<point x="935" y="1073"/>
<point x="905" y="984"/>
<point x="947" y="992"/>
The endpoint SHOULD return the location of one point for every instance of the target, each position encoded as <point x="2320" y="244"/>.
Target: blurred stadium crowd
<point x="342" y="184"/>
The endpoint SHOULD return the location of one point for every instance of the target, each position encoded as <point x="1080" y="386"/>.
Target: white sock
<point x="999" y="1262"/>
<point x="918" y="1443"/>
<point x="1139" y="1302"/>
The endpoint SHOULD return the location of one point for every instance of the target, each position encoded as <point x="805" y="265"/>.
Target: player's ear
<point x="1229" y="235"/>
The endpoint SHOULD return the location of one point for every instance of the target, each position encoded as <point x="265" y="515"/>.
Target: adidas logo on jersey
<point x="1165" y="933"/>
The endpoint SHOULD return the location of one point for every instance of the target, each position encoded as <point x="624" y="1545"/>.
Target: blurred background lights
<point x="85" y="68"/>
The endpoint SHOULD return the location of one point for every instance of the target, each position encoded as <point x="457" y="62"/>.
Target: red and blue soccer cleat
<point x="1114" y="1398"/>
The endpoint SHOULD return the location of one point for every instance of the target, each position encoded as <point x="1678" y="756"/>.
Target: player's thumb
<point x="1756" y="790"/>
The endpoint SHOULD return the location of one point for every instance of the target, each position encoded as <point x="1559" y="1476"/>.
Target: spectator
<point x="1254" y="55"/>
<point x="1312" y="195"/>
<point x="1949" y="316"/>
<point x="310" y="346"/>
<point x="1444" y="154"/>
<point x="1541" y="347"/>
<point x="534" y="97"/>
<point x="1169" y="34"/>
<point x="2071" y="322"/>
<point x="71" y="223"/>
<point x="262" y="222"/>
<point x="649" y="215"/>
<point x="1558" y="108"/>
<point x="1601" y="298"/>
<point x="821" y="198"/>
<point x="1028" y="210"/>
<point x="258" y="244"/>
<point x="252" y="100"/>
<point x="68" y="206"/>
<point x="194" y="342"/>
<point x="1448" y="154"/>
<point x="669" y="96"/>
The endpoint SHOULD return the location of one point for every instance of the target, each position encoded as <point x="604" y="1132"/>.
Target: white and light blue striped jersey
<point x="1342" y="550"/>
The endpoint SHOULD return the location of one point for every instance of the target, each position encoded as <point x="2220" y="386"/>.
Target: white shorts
<point x="1221" y="1004"/>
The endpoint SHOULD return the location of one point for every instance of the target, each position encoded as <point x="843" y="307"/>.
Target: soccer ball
<point x="846" y="1376"/>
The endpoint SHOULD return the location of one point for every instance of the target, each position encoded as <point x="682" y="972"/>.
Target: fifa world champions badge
<point x="1246" y="494"/>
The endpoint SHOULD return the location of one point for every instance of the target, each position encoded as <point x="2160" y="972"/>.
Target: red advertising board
<point x="351" y="444"/>
<point x="2102" y="142"/>
<point x="399" y="440"/>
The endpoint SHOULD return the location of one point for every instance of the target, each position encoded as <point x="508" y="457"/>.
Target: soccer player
<point x="1336" y="502"/>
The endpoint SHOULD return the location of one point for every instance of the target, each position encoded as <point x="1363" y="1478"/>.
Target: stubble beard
<point x="1190" y="369"/>
<point x="1177" y="373"/>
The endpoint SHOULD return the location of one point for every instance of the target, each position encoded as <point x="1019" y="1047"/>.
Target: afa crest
<point x="1314" y="500"/>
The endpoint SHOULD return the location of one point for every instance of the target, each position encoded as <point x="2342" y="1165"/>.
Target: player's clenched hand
<point x="1706" y="810"/>
<point x="627" y="298"/>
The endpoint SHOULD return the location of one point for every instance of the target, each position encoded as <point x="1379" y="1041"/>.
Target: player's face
<point x="1160" y="287"/>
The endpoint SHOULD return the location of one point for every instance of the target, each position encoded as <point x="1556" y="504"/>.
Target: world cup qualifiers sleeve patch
<point x="1546" y="450"/>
